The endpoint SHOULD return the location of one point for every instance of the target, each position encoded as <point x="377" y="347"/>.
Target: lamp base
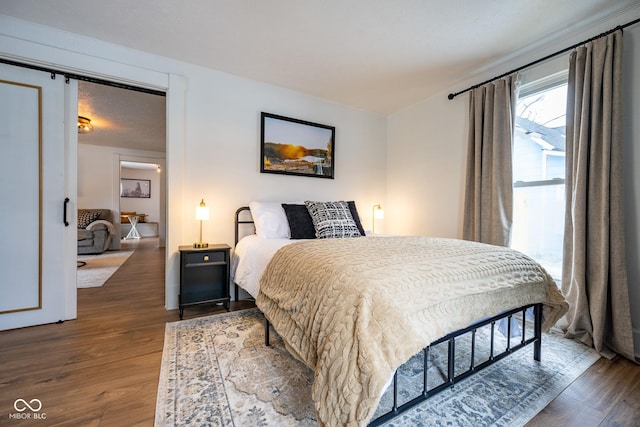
<point x="200" y="245"/>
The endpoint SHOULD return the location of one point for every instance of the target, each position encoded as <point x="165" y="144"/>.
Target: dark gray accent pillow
<point x="300" y="222"/>
<point x="332" y="220"/>
<point x="356" y="217"/>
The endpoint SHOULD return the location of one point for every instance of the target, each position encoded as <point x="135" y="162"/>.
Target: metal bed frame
<point x="452" y="377"/>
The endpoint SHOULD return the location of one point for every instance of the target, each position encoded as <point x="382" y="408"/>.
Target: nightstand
<point x="204" y="276"/>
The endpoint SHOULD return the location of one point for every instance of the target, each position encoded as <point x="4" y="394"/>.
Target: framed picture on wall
<point x="296" y="147"/>
<point x="138" y="188"/>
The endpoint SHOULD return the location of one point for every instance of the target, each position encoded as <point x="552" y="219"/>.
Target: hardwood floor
<point x="608" y="394"/>
<point x="102" y="369"/>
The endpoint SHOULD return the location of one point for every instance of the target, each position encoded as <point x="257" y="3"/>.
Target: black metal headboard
<point x="239" y="222"/>
<point x="241" y="219"/>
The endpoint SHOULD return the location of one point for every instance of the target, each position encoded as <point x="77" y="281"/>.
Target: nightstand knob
<point x="206" y="257"/>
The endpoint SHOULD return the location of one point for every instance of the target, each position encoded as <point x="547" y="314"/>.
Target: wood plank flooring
<point x="608" y="394"/>
<point x="102" y="369"/>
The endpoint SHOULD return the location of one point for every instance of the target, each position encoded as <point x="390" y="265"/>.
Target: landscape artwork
<point x="296" y="147"/>
<point x="137" y="188"/>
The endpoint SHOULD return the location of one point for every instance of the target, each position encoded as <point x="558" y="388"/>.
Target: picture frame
<point x="135" y="188"/>
<point x="296" y="147"/>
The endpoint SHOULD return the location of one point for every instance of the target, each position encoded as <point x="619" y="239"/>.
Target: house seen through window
<point x="539" y="175"/>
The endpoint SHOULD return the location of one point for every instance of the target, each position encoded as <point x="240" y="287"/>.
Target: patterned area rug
<point x="216" y="371"/>
<point x="98" y="268"/>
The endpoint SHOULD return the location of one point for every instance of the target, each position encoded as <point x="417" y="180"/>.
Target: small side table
<point x="204" y="276"/>
<point x="133" y="233"/>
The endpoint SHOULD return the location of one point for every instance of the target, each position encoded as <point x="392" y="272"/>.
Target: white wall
<point x="427" y="154"/>
<point x="95" y="177"/>
<point x="223" y="153"/>
<point x="426" y="160"/>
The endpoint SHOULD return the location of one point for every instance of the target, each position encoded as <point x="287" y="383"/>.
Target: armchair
<point x="95" y="230"/>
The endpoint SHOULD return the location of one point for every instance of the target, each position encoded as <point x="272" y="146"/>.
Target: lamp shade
<point x="202" y="212"/>
<point x="377" y="213"/>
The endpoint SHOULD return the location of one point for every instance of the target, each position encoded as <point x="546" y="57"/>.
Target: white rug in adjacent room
<point x="99" y="268"/>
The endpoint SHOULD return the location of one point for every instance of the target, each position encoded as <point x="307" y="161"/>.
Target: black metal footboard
<point x="453" y="377"/>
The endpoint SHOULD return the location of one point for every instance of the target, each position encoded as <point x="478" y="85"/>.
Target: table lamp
<point x="377" y="213"/>
<point x="202" y="214"/>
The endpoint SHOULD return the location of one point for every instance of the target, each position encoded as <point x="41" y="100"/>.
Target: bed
<point x="355" y="309"/>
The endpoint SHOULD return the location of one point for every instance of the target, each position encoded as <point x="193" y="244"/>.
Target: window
<point x="539" y="174"/>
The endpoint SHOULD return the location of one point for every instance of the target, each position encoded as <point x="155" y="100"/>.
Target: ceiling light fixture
<point x="84" y="125"/>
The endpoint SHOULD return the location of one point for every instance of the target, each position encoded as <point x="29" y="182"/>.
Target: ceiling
<point x="122" y="118"/>
<point x="376" y="55"/>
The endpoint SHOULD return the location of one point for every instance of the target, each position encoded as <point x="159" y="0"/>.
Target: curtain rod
<point x="67" y="76"/>
<point x="619" y="27"/>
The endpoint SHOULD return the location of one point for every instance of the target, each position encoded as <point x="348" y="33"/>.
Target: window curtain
<point x="594" y="278"/>
<point x="488" y="204"/>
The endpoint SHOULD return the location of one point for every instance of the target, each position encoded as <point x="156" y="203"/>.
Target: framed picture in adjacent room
<point x="137" y="188"/>
<point x="296" y="147"/>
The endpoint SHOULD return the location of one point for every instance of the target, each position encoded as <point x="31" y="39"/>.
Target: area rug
<point x="99" y="268"/>
<point x="216" y="371"/>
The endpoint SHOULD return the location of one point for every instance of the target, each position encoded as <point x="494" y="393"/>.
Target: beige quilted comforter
<point x="354" y="310"/>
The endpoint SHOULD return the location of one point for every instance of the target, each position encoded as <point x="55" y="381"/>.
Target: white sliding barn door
<point x="35" y="258"/>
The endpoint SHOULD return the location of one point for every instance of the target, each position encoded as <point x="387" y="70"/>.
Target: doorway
<point x="142" y="199"/>
<point x="126" y="141"/>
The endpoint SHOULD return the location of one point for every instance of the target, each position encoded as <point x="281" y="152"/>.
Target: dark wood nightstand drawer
<point x="205" y="257"/>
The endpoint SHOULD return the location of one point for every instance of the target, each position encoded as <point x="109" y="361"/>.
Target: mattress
<point x="250" y="258"/>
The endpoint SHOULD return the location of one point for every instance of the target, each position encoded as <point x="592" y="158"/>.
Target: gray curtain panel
<point x="488" y="203"/>
<point x="594" y="278"/>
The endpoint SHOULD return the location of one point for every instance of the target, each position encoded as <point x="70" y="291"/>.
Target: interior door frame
<point x="71" y="189"/>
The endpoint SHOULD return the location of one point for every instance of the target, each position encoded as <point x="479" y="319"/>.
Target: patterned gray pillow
<point x="86" y="217"/>
<point x="332" y="220"/>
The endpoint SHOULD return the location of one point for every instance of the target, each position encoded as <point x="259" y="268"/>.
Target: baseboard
<point x="171" y="296"/>
<point x="636" y="343"/>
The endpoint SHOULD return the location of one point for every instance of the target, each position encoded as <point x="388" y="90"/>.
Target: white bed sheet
<point x="250" y="258"/>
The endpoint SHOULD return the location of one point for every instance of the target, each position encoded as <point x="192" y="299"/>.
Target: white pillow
<point x="270" y="220"/>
